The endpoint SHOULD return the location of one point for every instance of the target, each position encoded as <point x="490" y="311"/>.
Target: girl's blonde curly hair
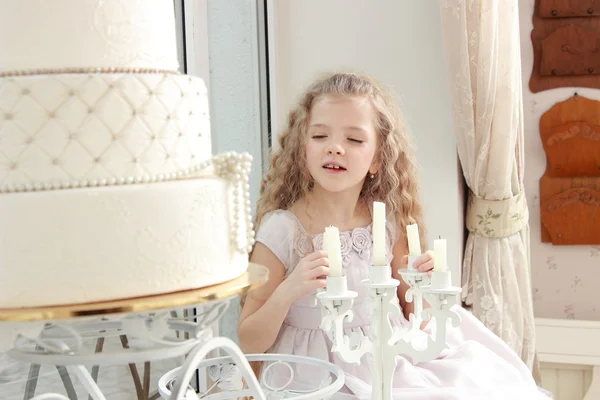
<point x="289" y="180"/>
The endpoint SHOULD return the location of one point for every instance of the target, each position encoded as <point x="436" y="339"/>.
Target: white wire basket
<point x="282" y="376"/>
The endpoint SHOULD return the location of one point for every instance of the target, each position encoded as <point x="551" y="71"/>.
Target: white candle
<point x="439" y="255"/>
<point x="378" y="233"/>
<point x="414" y="243"/>
<point x="331" y="244"/>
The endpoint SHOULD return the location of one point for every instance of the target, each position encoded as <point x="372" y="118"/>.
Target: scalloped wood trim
<point x="574" y="129"/>
<point x="574" y="196"/>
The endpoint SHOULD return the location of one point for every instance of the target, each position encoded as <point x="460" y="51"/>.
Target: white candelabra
<point x="387" y="341"/>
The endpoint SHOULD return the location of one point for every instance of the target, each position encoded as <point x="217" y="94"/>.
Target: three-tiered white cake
<point x="108" y="188"/>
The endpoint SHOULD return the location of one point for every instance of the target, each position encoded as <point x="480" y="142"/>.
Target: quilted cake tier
<point x="56" y="129"/>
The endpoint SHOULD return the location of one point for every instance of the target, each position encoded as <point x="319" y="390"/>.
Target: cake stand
<point x="152" y="328"/>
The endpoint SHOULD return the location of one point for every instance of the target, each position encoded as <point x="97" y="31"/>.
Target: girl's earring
<point x="372" y="176"/>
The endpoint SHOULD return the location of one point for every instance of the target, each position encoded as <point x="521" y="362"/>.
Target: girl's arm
<point x="265" y="307"/>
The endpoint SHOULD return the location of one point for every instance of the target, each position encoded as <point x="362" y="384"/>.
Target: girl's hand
<point x="309" y="275"/>
<point x="423" y="263"/>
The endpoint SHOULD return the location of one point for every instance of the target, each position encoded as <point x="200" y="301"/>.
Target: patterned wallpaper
<point x="565" y="278"/>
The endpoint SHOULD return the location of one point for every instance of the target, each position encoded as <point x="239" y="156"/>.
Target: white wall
<point x="400" y="44"/>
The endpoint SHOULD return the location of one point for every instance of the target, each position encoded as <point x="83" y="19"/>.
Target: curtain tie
<point x="497" y="218"/>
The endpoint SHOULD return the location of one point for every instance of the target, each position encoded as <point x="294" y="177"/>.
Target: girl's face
<point x="341" y="142"/>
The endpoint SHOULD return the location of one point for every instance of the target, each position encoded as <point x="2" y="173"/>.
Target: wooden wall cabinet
<point x="566" y="44"/>
<point x="570" y="186"/>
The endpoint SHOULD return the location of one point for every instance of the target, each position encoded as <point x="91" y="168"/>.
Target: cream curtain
<point x="482" y="49"/>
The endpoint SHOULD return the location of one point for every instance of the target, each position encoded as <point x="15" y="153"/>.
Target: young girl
<point x="343" y="148"/>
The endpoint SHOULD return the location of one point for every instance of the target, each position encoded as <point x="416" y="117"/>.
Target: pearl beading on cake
<point x="88" y="70"/>
<point x="74" y="184"/>
<point x="235" y="167"/>
<point x="231" y="166"/>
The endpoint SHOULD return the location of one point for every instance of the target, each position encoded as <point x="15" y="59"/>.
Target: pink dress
<point x="478" y="365"/>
